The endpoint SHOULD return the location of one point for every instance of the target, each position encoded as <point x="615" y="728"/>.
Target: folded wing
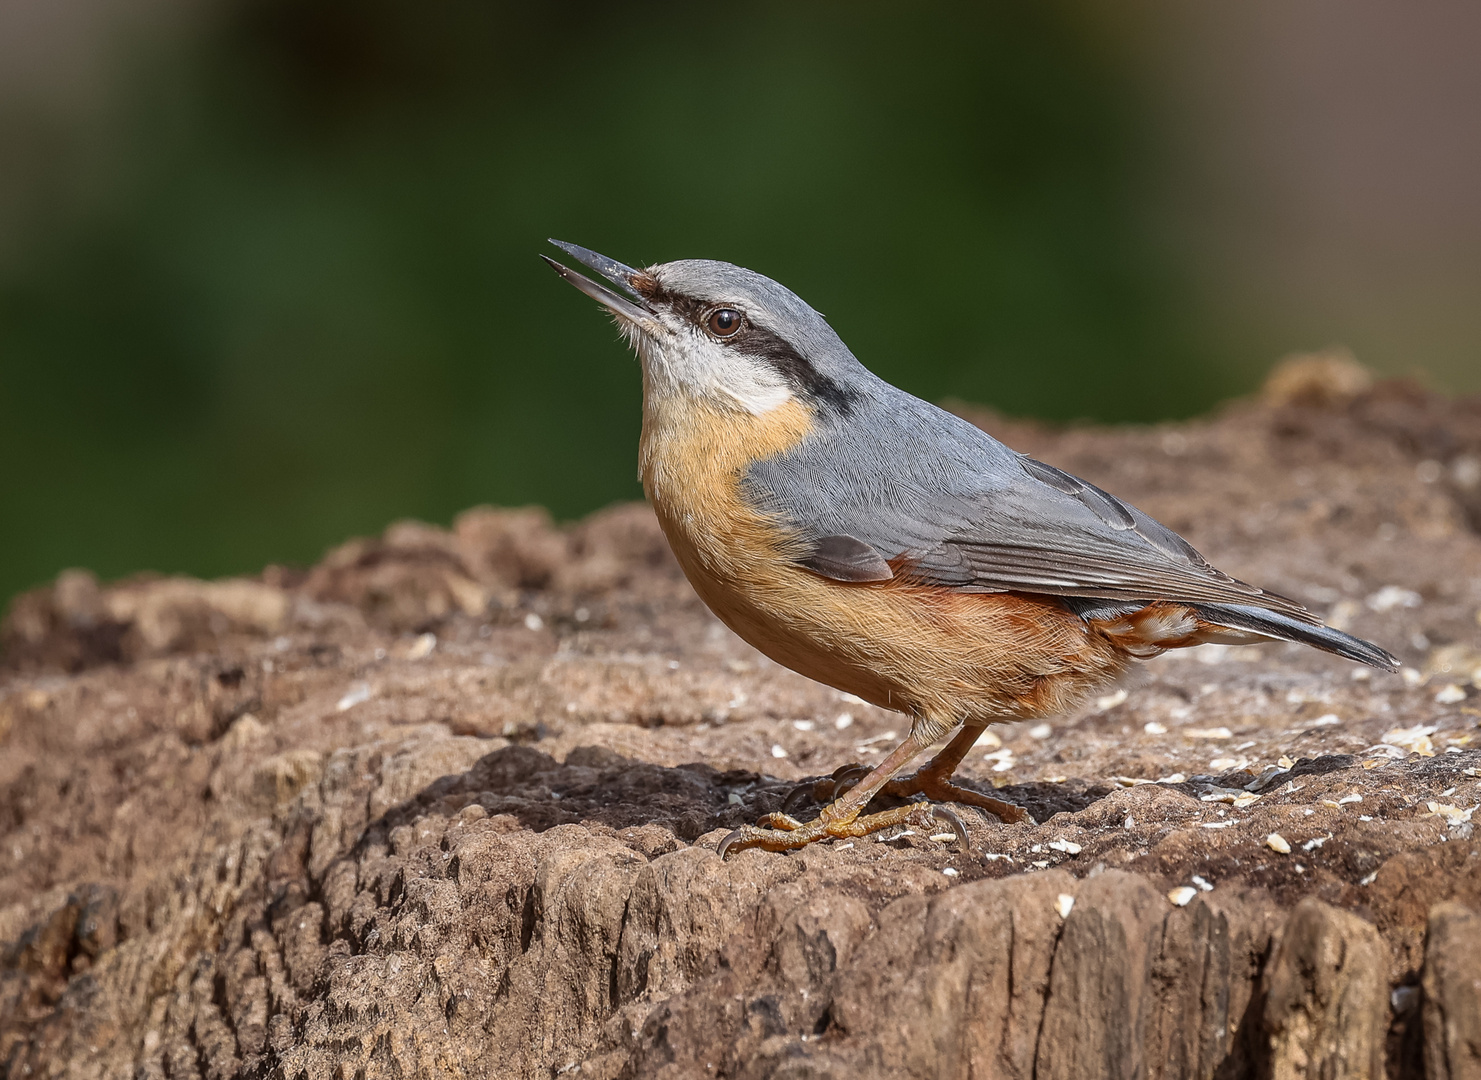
<point x="945" y="503"/>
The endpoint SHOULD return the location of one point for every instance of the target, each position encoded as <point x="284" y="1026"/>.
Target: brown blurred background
<point x="268" y="274"/>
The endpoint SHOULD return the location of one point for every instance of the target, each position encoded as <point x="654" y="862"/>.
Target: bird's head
<point x="722" y="334"/>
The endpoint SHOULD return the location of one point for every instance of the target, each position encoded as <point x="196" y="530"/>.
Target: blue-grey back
<point x="914" y="481"/>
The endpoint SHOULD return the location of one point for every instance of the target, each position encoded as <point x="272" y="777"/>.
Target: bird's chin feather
<point x="633" y="334"/>
<point x="682" y="364"/>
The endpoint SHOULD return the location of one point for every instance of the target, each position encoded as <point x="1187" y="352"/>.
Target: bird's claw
<point x="943" y="814"/>
<point x="941" y="790"/>
<point x="932" y="784"/>
<point x="825" y="789"/>
<point x="778" y="832"/>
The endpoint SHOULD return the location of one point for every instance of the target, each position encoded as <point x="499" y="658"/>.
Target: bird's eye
<point x="724" y="322"/>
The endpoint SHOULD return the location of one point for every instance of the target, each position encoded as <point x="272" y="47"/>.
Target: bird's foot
<point x="934" y="784"/>
<point x="780" y="832"/>
<point x="937" y="787"/>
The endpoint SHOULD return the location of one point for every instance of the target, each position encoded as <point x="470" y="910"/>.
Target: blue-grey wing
<point x="931" y="493"/>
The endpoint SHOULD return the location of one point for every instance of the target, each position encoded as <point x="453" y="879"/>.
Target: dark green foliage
<point x="289" y="291"/>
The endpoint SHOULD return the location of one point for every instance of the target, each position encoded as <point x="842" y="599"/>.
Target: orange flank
<point x="935" y="653"/>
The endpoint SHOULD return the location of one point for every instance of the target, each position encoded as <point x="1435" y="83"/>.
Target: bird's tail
<point x="1272" y="624"/>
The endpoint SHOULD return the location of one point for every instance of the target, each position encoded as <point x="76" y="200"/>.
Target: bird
<point x="879" y="544"/>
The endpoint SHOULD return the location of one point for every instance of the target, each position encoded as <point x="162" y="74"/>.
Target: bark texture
<point x="447" y="804"/>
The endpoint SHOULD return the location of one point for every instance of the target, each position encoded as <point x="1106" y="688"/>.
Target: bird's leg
<point x="824" y="789"/>
<point x="933" y="779"/>
<point x="841" y="818"/>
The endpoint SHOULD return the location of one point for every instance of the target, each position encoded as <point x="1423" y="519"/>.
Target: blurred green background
<point x="268" y="271"/>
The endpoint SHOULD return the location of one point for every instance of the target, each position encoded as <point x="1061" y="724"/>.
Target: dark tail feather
<point x="1280" y="626"/>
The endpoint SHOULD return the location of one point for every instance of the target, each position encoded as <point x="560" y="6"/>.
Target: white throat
<point x="686" y="363"/>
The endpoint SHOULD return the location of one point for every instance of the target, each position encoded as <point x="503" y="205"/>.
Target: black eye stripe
<point x="793" y="366"/>
<point x="764" y="345"/>
<point x="682" y="306"/>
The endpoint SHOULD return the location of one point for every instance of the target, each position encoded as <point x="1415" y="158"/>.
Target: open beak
<point x="631" y="307"/>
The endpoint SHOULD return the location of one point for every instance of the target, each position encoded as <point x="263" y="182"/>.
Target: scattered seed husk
<point x="1454" y="814"/>
<point x="1414" y="739"/>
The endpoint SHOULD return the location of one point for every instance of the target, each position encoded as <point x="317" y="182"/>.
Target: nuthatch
<point x="880" y="545"/>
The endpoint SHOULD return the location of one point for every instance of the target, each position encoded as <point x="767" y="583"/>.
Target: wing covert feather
<point x="912" y="481"/>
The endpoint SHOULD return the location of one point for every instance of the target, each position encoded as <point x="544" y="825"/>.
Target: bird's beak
<point x="632" y="307"/>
